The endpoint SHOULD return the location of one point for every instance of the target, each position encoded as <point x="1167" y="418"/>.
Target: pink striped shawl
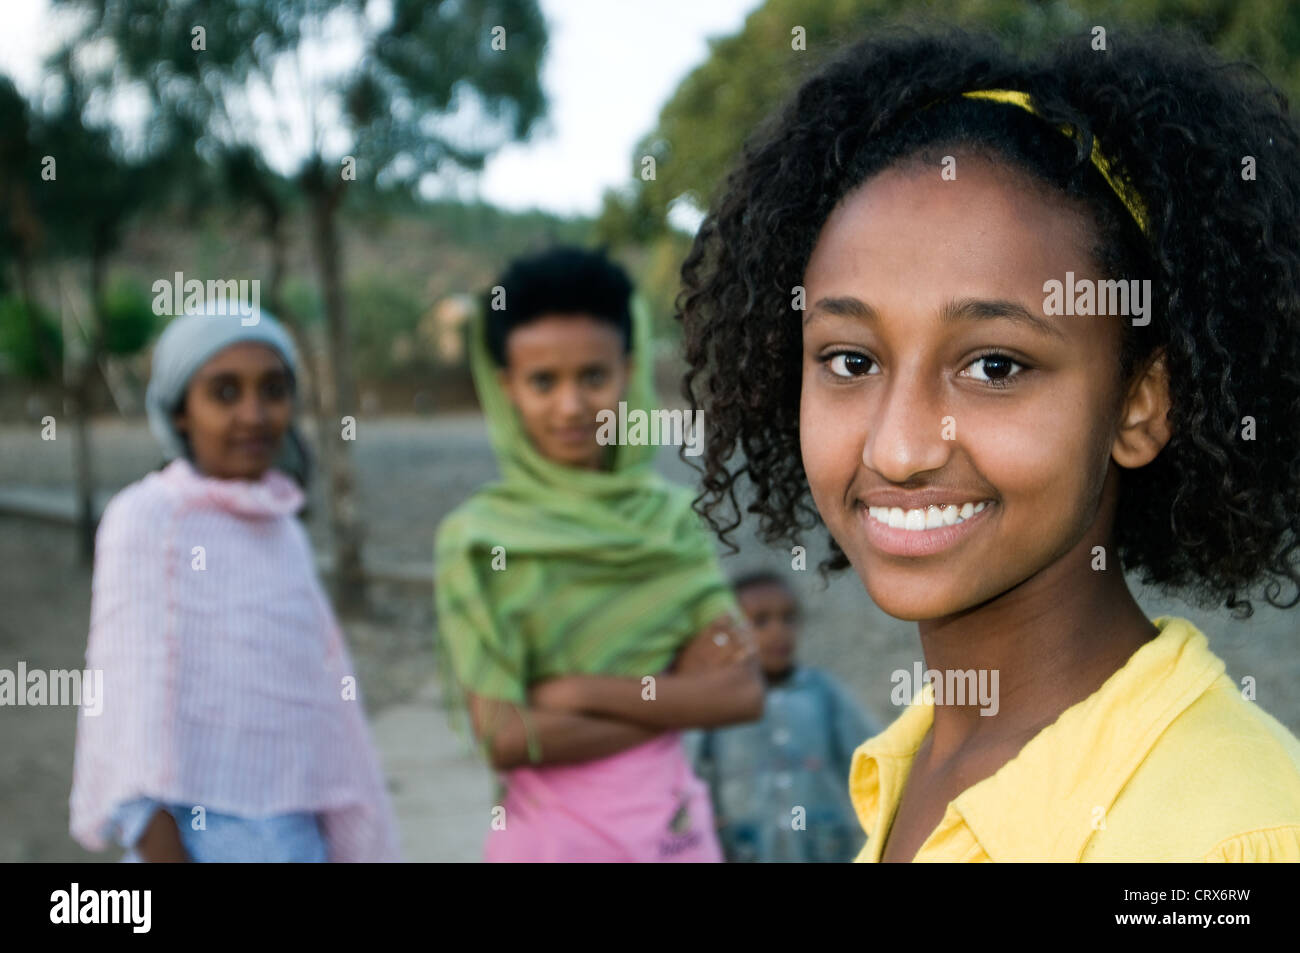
<point x="223" y="686"/>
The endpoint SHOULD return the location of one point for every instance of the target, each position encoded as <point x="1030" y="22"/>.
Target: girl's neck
<point x="1053" y="640"/>
<point x="774" y="679"/>
<point x="600" y="462"/>
<point x="208" y="474"/>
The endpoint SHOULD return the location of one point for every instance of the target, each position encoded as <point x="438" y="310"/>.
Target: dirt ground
<point x="412" y="470"/>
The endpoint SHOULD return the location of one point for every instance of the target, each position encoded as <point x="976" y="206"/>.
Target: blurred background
<point x="373" y="165"/>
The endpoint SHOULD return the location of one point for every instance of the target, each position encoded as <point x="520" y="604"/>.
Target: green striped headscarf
<point x="555" y="570"/>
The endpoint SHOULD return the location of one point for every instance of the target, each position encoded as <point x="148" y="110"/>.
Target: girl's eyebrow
<point x="235" y="375"/>
<point x="214" y="378"/>
<point x="958" y="309"/>
<point x="980" y="309"/>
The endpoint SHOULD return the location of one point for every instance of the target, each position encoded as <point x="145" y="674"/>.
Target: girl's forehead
<point x="567" y="337"/>
<point x="921" y="258"/>
<point x="767" y="591"/>
<point x="913" y="213"/>
<point x="244" y="357"/>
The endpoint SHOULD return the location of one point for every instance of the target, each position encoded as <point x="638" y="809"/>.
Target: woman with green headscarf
<point x="583" y="618"/>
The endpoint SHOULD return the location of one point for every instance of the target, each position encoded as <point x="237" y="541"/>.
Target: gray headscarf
<point x="185" y="345"/>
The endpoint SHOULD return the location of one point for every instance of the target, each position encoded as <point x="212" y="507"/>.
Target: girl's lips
<point x="257" y="445"/>
<point x="573" y="434"/>
<point x="923" y="542"/>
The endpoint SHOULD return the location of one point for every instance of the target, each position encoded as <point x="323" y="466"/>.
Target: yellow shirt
<point x="1165" y="762"/>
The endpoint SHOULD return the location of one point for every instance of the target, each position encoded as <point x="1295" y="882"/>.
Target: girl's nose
<point x="570" y="400"/>
<point x="906" y="435"/>
<point x="252" y="410"/>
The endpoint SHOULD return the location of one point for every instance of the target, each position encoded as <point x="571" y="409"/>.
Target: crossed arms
<point x="715" y="680"/>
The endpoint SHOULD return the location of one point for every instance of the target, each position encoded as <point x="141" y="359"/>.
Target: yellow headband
<point x="1132" y="201"/>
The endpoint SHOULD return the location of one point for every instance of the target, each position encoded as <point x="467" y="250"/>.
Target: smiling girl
<point x="231" y="727"/>
<point x="991" y="468"/>
<point x="583" y="618"/>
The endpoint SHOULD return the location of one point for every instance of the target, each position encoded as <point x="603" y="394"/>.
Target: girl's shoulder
<point x="1221" y="782"/>
<point x="461" y="525"/>
<point x="139" y="507"/>
<point x="1255" y="795"/>
<point x="1243" y="737"/>
<point x="1225" y="773"/>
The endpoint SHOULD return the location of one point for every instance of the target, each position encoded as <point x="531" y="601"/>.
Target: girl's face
<point x="237" y="409"/>
<point x="561" y="371"/>
<point x="934" y="382"/>
<point x="774" y="614"/>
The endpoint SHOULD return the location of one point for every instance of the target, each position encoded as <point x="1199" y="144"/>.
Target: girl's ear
<point x="1144" y="421"/>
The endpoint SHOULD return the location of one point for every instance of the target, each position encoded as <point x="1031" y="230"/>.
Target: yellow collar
<point x="1043" y="803"/>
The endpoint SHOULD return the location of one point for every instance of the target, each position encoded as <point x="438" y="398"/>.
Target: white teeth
<point x="931" y="517"/>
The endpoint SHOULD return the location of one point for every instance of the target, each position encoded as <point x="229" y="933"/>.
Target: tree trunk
<point x="85" y="479"/>
<point x="315" y="368"/>
<point x="338" y="390"/>
<point x="79" y="391"/>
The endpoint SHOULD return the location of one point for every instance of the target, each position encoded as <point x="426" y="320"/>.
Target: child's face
<point x="237" y="409"/>
<point x="913" y="283"/>
<point x="561" y="371"/>
<point x="771" y="609"/>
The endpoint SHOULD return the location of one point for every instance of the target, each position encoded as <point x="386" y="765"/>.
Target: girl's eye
<point x="994" y="369"/>
<point x="227" y="393"/>
<point x="849" y="364"/>
<point x="595" y="378"/>
<point x="276" y="390"/>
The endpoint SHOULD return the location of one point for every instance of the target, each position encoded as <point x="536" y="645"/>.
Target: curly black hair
<point x="561" y="280"/>
<point x="1212" y="515"/>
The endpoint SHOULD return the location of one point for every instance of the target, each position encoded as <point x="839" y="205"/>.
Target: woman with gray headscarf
<point x="184" y="347"/>
<point x="231" y="726"/>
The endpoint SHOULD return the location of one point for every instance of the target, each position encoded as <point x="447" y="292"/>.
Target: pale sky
<point x="610" y="67"/>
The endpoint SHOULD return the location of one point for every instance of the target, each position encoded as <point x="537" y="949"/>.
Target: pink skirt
<point x="642" y="805"/>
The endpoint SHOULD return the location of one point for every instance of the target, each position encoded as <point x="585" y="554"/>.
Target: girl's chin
<point x="583" y="456"/>
<point x="252" y="473"/>
<point x="912" y="600"/>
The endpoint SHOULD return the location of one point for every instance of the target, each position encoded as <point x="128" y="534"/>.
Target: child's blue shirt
<point x="780" y="784"/>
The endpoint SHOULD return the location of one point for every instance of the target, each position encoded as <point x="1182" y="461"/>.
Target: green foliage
<point x="431" y="58"/>
<point x="16" y="157"/>
<point x="303" y="300"/>
<point x="385" y="316"/>
<point x="659" y="280"/>
<point x="24" y="335"/>
<point x="97" y="188"/>
<point x="629" y="216"/>
<point x="129" y="321"/>
<point x="485" y="228"/>
<point x="749" y="74"/>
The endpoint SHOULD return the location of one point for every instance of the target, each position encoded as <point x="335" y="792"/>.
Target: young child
<point x="566" y="590"/>
<point x="232" y="728"/>
<point x="875" y="313"/>
<point x="780" y="785"/>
